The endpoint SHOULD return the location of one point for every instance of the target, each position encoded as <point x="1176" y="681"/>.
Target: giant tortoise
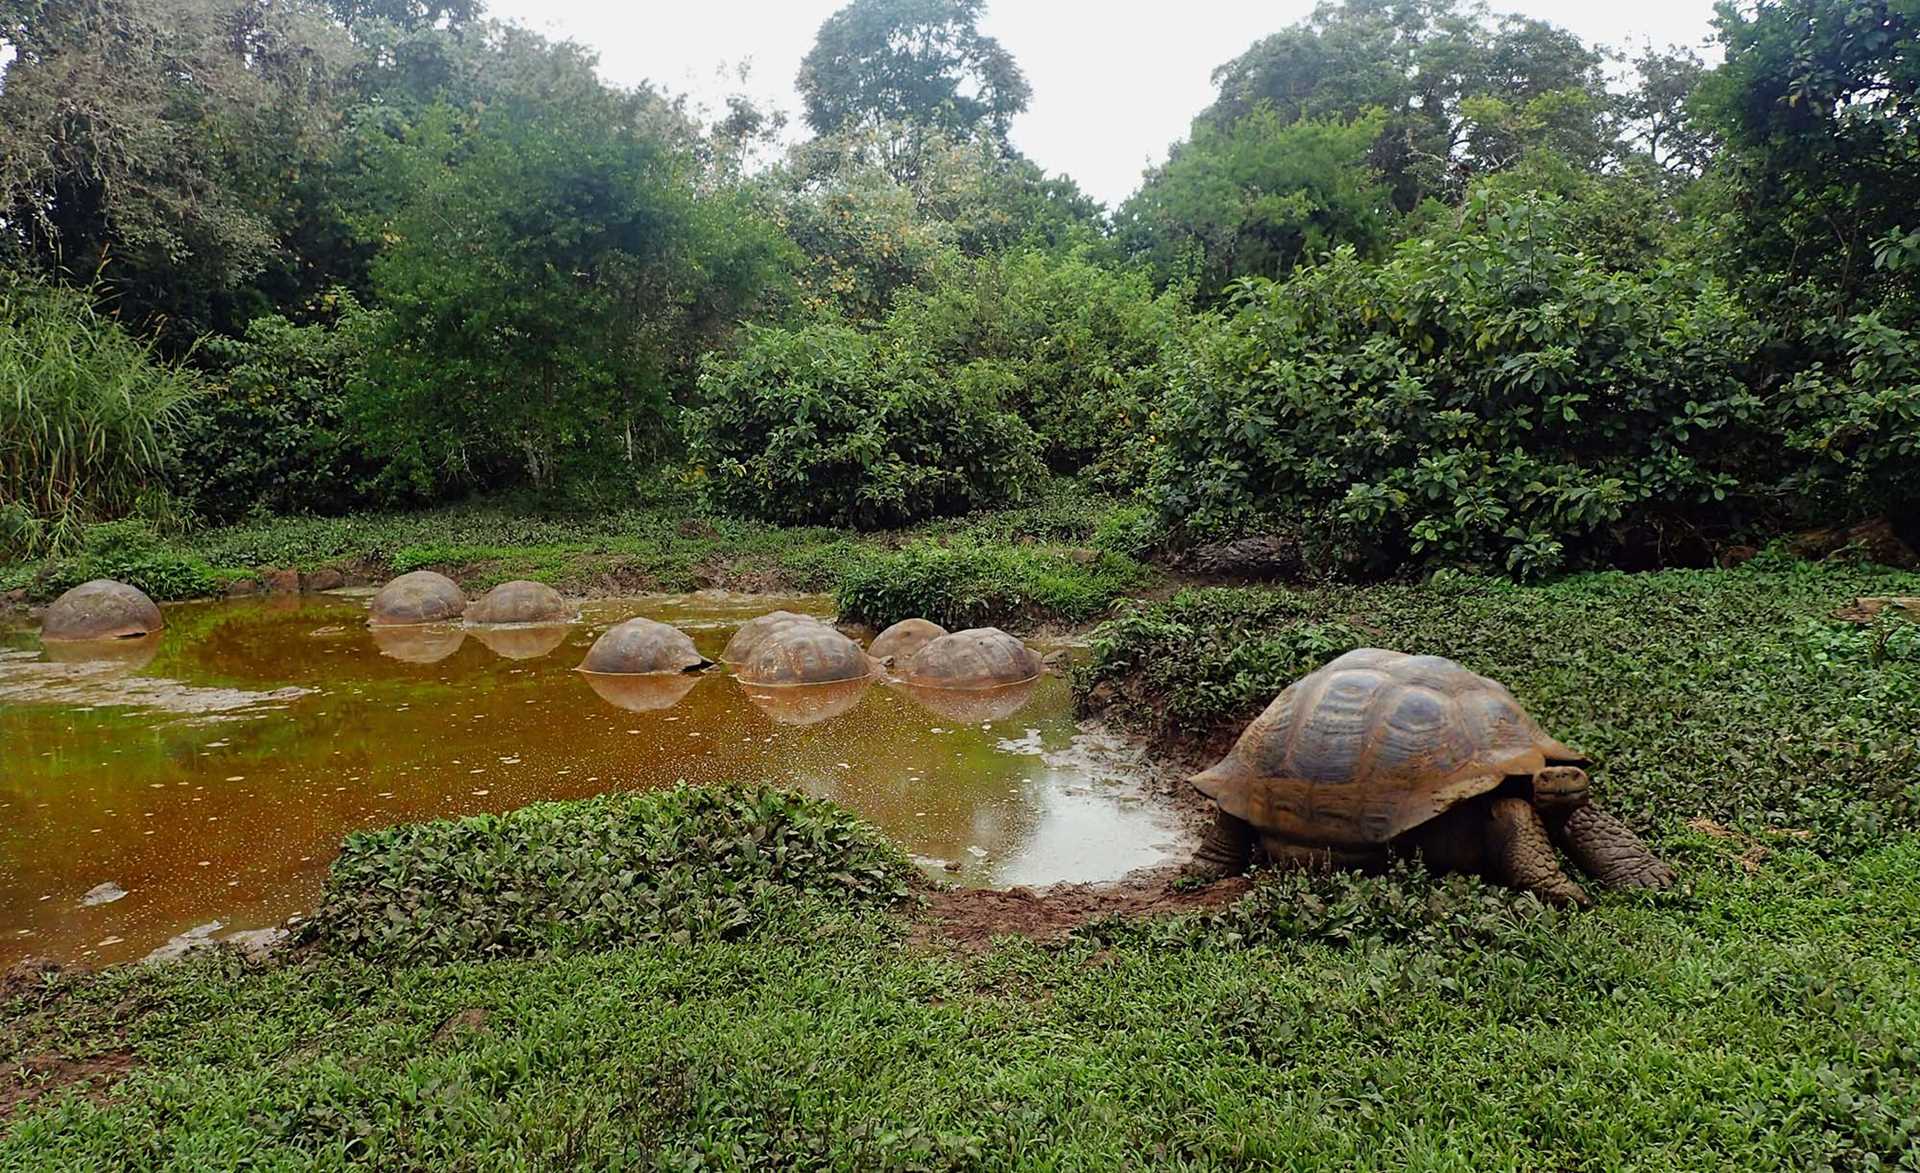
<point x="100" y="610"/>
<point x="642" y="646"/>
<point x="1380" y="751"/>
<point x="979" y="657"/>
<point x="420" y="596"/>
<point x="804" y="652"/>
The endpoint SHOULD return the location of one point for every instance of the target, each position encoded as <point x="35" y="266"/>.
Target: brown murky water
<point x="210" y="775"/>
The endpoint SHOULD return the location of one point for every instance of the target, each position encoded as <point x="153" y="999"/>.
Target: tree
<point x="921" y="63"/>
<point x="1819" y="104"/>
<point x="547" y="287"/>
<point x="150" y="143"/>
<point x="1659" y="124"/>
<point x="1258" y="197"/>
<point x="1461" y="94"/>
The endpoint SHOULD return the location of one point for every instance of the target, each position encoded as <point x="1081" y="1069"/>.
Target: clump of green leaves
<point x="825" y="424"/>
<point x="966" y="585"/>
<point x="1488" y="397"/>
<point x="130" y="552"/>
<point x="670" y="865"/>
<point x="1406" y="905"/>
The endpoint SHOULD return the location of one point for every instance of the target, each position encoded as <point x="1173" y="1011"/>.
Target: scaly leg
<point x="1608" y="850"/>
<point x="1226" y="851"/>
<point x="1520" y="853"/>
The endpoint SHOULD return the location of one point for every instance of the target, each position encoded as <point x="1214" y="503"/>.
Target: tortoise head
<point x="1560" y="788"/>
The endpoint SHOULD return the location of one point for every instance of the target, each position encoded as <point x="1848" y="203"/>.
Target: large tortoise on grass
<point x="1380" y="751"/>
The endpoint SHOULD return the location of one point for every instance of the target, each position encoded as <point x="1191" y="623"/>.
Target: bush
<point x="825" y="424"/>
<point x="1857" y="425"/>
<point x="963" y="586"/>
<point x="607" y="871"/>
<point x="1486" y="398"/>
<point x="88" y="417"/>
<point x="1071" y="346"/>
<point x="132" y="553"/>
<point x="272" y="437"/>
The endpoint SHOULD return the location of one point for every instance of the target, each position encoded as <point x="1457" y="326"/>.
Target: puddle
<point x="208" y="778"/>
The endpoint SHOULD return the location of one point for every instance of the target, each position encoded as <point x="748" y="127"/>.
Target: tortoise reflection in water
<point x="974" y="706"/>
<point x="418" y="597"/>
<point x="807" y="704"/>
<point x="417" y="643"/>
<point x="1379" y="751"/>
<point x="642" y="692"/>
<point x="101" y="610"/>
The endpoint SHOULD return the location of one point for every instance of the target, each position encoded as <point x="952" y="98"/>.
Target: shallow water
<point x="210" y="775"/>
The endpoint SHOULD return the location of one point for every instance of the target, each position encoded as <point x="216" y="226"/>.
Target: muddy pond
<point x="207" y="778"/>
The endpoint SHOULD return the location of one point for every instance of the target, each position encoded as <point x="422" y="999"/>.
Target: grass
<point x="1765" y="1015"/>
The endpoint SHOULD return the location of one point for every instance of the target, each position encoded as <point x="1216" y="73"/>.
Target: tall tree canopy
<point x="920" y="62"/>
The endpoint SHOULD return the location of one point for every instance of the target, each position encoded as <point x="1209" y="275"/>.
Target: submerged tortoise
<point x="806" y="652"/>
<point x="898" y="643"/>
<point x="642" y="646"/>
<point x="100" y="610"/>
<point x="420" y="596"/>
<point x="1380" y="751"/>
<point x="754" y="632"/>
<point x="519" y="601"/>
<point x="979" y="657"/>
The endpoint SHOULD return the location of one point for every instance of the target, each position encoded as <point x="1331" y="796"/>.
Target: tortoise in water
<point x="519" y="601"/>
<point x="979" y="657"/>
<point x="642" y="645"/>
<point x="897" y="644"/>
<point x="803" y="653"/>
<point x="419" y="597"/>
<point x="753" y="632"/>
<point x="101" y="609"/>
<point x="1380" y="751"/>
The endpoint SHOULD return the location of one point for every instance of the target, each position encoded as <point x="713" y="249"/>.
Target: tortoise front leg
<point x="1226" y="851"/>
<point x="1520" y="853"/>
<point x="1608" y="850"/>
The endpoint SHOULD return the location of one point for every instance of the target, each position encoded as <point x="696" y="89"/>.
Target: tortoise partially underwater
<point x="1379" y="751"/>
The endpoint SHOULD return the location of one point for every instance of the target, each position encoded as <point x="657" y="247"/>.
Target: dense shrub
<point x="825" y="424"/>
<point x="88" y="417"/>
<point x="130" y="552"/>
<point x="1855" y="424"/>
<point x="606" y="871"/>
<point x="1487" y="397"/>
<point x="966" y="585"/>
<point x="271" y="436"/>
<point x="1073" y="347"/>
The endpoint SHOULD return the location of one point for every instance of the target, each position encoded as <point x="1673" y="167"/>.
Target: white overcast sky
<point x="1114" y="81"/>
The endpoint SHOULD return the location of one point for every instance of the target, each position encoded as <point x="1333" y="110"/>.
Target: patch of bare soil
<point x="970" y="918"/>
<point x="43" y="1075"/>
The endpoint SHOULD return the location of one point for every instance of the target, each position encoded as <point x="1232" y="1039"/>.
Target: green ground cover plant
<point x="961" y="585"/>
<point x="670" y="865"/>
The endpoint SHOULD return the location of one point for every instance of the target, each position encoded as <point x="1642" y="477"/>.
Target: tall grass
<point x="87" y="412"/>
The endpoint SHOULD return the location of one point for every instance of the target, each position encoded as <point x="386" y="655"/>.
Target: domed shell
<point x="1374" y="744"/>
<point x="748" y="638"/>
<point x="899" y="642"/>
<point x="101" y="609"/>
<point x="804" y="653"/>
<point x="642" y="645"/>
<point x="519" y="601"/>
<point x="419" y="597"/>
<point x="979" y="657"/>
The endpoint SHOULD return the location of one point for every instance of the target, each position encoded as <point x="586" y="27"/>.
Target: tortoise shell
<point x="419" y="597"/>
<point x="101" y="609"/>
<point x="1374" y="744"/>
<point x="748" y="638"/>
<point x="642" y="645"/>
<point x="808" y="652"/>
<point x="903" y="639"/>
<point x="979" y="657"/>
<point x="519" y="601"/>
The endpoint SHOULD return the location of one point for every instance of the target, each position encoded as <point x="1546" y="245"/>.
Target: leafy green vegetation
<point x="1728" y="695"/>
<point x="670" y="865"/>
<point x="965" y="585"/>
